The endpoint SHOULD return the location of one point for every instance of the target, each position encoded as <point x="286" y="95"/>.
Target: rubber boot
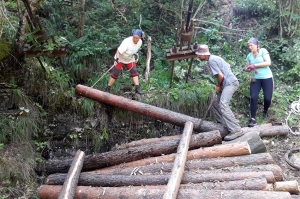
<point x="107" y="89"/>
<point x="138" y="89"/>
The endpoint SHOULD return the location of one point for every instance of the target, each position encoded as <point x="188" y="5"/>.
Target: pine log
<point x="69" y="186"/>
<point x="289" y="186"/>
<point x="277" y="171"/>
<point x="96" y="161"/>
<point x="273" y="131"/>
<point x="179" y="163"/>
<point x="254" y="140"/>
<point x="269" y="188"/>
<point x="149" y="110"/>
<point x="90" y="179"/>
<point x="87" y="192"/>
<point x="208" y="163"/>
<point x="225" y="150"/>
<point x="154" y="140"/>
<point x="295" y="196"/>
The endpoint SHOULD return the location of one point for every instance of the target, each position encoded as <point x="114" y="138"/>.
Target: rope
<point x="295" y="109"/>
<point x="115" y="63"/>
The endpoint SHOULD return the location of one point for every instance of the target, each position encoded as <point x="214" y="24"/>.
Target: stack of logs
<point x="185" y="166"/>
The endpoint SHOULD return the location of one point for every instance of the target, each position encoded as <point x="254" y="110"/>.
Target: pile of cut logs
<point x="187" y="166"/>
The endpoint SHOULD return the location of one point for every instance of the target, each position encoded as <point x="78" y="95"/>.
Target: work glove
<point x="251" y="67"/>
<point x="246" y="69"/>
<point x="218" y="88"/>
<point x="117" y="60"/>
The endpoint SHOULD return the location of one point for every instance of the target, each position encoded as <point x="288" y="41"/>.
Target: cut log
<point x="154" y="140"/>
<point x="96" y="161"/>
<point x="87" y="192"/>
<point x="70" y="184"/>
<point x="225" y="150"/>
<point x="179" y="163"/>
<point x="98" y="180"/>
<point x="198" y="140"/>
<point x="273" y="131"/>
<point x="254" y="140"/>
<point x="149" y="110"/>
<point x="209" y="163"/>
<point x="277" y="171"/>
<point x="289" y="186"/>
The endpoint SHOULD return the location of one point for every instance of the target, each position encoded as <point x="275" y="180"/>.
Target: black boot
<point x="138" y="90"/>
<point x="107" y="89"/>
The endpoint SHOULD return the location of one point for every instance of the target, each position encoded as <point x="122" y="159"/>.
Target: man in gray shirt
<point x="225" y="88"/>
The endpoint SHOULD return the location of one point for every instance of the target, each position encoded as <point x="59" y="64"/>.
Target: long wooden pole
<point x="179" y="163"/>
<point x="70" y="184"/>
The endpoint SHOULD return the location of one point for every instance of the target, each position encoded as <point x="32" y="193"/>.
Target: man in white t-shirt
<point x="125" y="55"/>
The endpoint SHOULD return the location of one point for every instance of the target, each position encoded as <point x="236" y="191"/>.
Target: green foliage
<point x="87" y="107"/>
<point x="5" y="49"/>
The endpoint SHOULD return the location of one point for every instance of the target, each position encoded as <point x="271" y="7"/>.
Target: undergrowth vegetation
<point x="45" y="87"/>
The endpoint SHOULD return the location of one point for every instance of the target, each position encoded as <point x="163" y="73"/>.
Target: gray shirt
<point x="217" y="65"/>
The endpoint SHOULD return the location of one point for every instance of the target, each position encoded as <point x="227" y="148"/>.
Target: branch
<point x="199" y="8"/>
<point x="115" y="8"/>
<point x="208" y="22"/>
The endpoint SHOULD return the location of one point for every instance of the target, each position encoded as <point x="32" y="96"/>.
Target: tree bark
<point x="290" y="186"/>
<point x="70" y="183"/>
<point x="205" y="139"/>
<point x="91" y="179"/>
<point x="254" y="140"/>
<point x="273" y="131"/>
<point x="101" y="160"/>
<point x="179" y="163"/>
<point x="149" y="110"/>
<point x="81" y="18"/>
<point x="204" y="164"/>
<point x="51" y="192"/>
<point x="225" y="150"/>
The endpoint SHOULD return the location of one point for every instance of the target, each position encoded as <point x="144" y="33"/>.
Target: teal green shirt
<point x="265" y="72"/>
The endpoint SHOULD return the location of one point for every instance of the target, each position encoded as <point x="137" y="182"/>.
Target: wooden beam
<point x="179" y="163"/>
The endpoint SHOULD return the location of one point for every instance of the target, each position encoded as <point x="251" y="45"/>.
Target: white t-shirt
<point x="127" y="50"/>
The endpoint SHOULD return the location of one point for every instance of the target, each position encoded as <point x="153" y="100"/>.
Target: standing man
<point x="225" y="88"/>
<point x="125" y="55"/>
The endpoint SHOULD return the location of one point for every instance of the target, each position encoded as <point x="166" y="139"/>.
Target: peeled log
<point x="204" y="164"/>
<point x="290" y="186"/>
<point x="97" y="180"/>
<point x="149" y="110"/>
<point x="100" y="160"/>
<point x="179" y="163"/>
<point x="51" y="192"/>
<point x="224" y="150"/>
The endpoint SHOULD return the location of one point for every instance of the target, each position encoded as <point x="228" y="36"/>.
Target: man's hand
<point x="218" y="88"/>
<point x="117" y="60"/>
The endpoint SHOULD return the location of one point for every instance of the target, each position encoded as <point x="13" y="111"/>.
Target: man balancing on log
<point x="126" y="55"/>
<point x="225" y="88"/>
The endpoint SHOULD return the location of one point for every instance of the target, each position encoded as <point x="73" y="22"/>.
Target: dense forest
<point x="47" y="47"/>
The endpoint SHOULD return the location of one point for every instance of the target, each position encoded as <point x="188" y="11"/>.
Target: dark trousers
<point x="267" y="86"/>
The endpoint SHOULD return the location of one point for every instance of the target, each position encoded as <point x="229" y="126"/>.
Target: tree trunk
<point x="255" y="142"/>
<point x="147" y="70"/>
<point x="51" y="192"/>
<point x="81" y="18"/>
<point x="149" y="110"/>
<point x="90" y="179"/>
<point x="179" y="163"/>
<point x="204" y="164"/>
<point x="205" y="139"/>
<point x="96" y="161"/>
<point x="70" y="183"/>
<point x="225" y="150"/>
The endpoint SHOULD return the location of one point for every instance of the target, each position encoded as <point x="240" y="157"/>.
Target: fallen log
<point x="289" y="186"/>
<point x="87" y="192"/>
<point x="96" y="161"/>
<point x="209" y="163"/>
<point x="254" y="140"/>
<point x="225" y="150"/>
<point x="149" y="110"/>
<point x="155" y="140"/>
<point x="69" y="186"/>
<point x="179" y="163"/>
<point x="99" y="180"/>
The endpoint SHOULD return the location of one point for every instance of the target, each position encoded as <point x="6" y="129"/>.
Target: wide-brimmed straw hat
<point x="203" y="50"/>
